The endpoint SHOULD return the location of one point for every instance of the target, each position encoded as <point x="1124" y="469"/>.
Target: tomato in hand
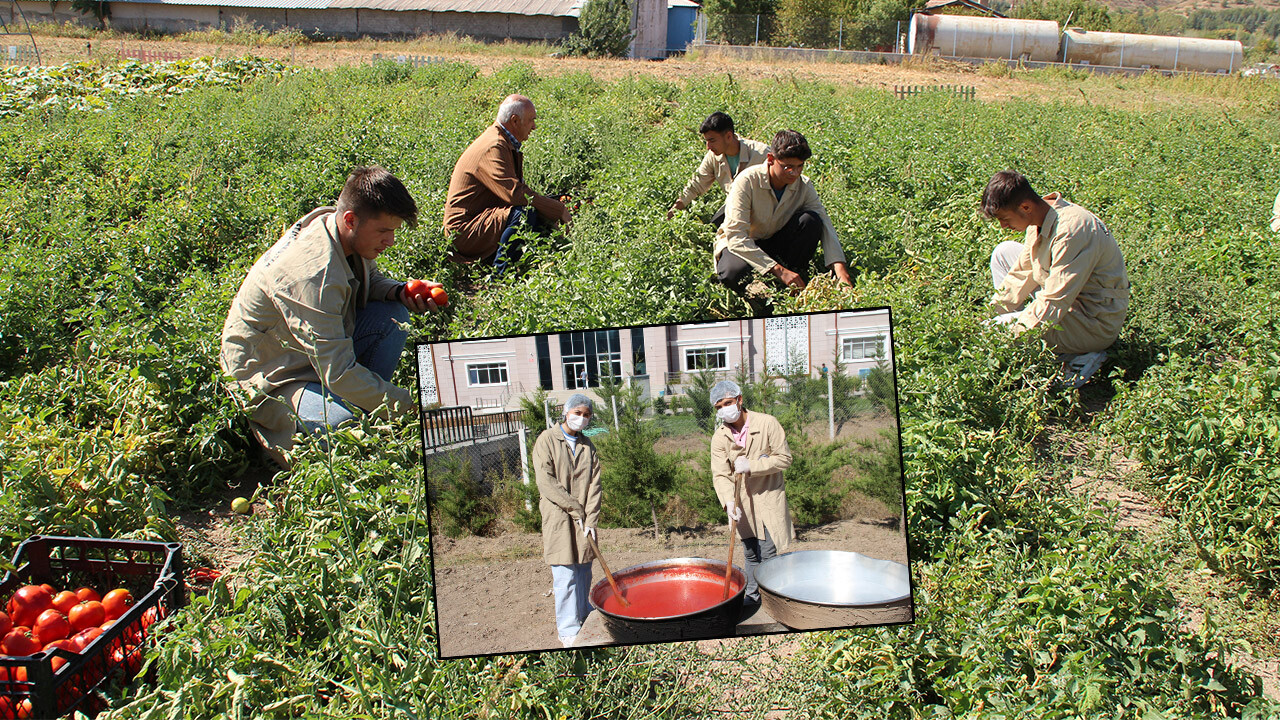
<point x="86" y="615"/>
<point x="87" y="593"/>
<point x="51" y="625"/>
<point x="417" y="288"/>
<point x="439" y="296"/>
<point x="27" y="604"/>
<point x="117" y="603"/>
<point x="19" y="642"/>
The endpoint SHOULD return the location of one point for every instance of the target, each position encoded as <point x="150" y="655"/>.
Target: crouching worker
<point x="753" y="445"/>
<point x="728" y="154"/>
<point x="1067" y="277"/>
<point x="774" y="221"/>
<point x="314" y="332"/>
<point x="567" y="468"/>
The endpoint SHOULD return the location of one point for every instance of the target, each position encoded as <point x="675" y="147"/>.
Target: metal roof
<point x="559" y="8"/>
<point x="273" y="4"/>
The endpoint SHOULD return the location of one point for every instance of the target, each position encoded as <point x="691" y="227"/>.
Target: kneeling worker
<point x="488" y="199"/>
<point x="728" y="154"/>
<point x="1069" y="267"/>
<point x="314" y="331"/>
<point x="774" y="221"/>
<point x="754" y="445"/>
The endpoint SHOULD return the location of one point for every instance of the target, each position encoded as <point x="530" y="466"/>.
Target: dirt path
<point x="1107" y="482"/>
<point x="494" y="594"/>
<point x="1126" y="92"/>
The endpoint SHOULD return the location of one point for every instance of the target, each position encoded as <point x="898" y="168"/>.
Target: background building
<point x="496" y="373"/>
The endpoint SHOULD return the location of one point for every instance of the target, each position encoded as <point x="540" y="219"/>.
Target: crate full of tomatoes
<point x="77" y="615"/>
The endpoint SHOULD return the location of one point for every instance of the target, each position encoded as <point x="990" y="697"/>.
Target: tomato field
<point x="129" y="224"/>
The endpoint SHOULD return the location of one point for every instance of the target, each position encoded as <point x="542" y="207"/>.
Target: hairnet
<point x="724" y="389"/>
<point x="578" y="400"/>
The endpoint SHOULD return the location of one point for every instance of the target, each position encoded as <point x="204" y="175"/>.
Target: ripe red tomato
<point x="416" y="288"/>
<point x="150" y="617"/>
<point x="86" y="615"/>
<point x="65" y="600"/>
<point x="65" y="644"/>
<point x="51" y="625"/>
<point x="88" y="593"/>
<point x="27" y="604"/>
<point x="19" y="642"/>
<point x="85" y="637"/>
<point x="117" y="603"/>
<point x="14" y="708"/>
<point x="6" y="624"/>
<point x="8" y="676"/>
<point x="439" y="296"/>
<point x="129" y="659"/>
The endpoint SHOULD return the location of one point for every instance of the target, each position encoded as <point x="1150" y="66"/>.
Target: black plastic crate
<point x="153" y="574"/>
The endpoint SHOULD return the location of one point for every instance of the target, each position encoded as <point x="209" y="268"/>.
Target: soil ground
<point x="494" y="594"/>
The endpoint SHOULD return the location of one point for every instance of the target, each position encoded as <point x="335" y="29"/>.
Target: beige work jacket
<point x="487" y="181"/>
<point x="291" y="323"/>
<point x="1275" y="215"/>
<point x="753" y="212"/>
<point x="763" y="497"/>
<point x="714" y="169"/>
<point x="570" y="487"/>
<point x="1073" y="266"/>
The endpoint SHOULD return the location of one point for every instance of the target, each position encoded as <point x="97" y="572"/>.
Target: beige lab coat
<point x="753" y="212"/>
<point x="570" y="487"/>
<point x="763" y="496"/>
<point x="1074" y="267"/>
<point x="291" y="323"/>
<point x="714" y="169"/>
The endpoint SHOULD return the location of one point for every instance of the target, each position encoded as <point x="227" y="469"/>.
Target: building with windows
<point x="495" y="373"/>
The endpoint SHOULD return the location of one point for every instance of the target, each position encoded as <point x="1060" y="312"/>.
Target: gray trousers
<point x="756" y="551"/>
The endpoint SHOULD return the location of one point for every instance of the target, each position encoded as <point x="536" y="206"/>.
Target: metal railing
<point x="142" y="55"/>
<point x="19" y="55"/>
<point x="964" y="92"/>
<point x="457" y="425"/>
<point x="414" y="61"/>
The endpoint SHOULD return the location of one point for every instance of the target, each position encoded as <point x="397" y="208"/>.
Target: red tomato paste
<point x="688" y="592"/>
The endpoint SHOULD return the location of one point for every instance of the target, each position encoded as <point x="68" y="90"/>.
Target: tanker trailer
<point x="981" y="37"/>
<point x="1159" y="52"/>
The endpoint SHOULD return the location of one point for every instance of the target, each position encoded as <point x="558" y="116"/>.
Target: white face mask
<point x="576" y="422"/>
<point x="729" y="413"/>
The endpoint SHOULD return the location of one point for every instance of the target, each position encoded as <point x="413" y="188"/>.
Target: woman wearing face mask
<point x="568" y="474"/>
<point x="753" y="444"/>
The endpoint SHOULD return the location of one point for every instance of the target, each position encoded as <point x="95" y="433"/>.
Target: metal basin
<point x="677" y="599"/>
<point x="816" y="589"/>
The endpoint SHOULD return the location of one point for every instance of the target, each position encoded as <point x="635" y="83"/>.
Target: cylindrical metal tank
<point x="1151" y="51"/>
<point x="981" y="37"/>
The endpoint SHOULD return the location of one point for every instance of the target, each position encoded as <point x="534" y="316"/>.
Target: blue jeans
<point x="757" y="550"/>
<point x="571" y="583"/>
<point x="378" y="342"/>
<point x="509" y="251"/>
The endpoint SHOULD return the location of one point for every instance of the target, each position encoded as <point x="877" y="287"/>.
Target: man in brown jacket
<point x="1068" y="277"/>
<point x="567" y="469"/>
<point x="754" y="446"/>
<point x="488" y="199"/>
<point x="314" y="331"/>
<point x="774" y="221"/>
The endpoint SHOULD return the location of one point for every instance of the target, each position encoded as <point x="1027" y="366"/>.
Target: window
<point x="710" y="358"/>
<point x="494" y="373"/>
<point x="861" y="348"/>
<point x="864" y="372"/>
<point x="588" y="357"/>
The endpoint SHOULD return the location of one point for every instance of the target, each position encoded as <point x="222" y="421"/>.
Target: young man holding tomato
<point x="774" y="221"/>
<point x="728" y="154"/>
<point x="315" y="330"/>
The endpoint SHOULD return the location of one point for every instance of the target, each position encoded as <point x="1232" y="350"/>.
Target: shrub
<point x="604" y="29"/>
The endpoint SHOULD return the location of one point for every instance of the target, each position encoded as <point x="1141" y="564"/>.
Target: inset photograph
<point x="649" y="484"/>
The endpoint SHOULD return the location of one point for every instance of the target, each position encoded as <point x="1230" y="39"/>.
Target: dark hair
<point x="373" y="190"/>
<point x="717" y="122"/>
<point x="1006" y="190"/>
<point x="790" y="145"/>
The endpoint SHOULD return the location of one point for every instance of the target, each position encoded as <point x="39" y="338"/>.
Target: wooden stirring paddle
<point x="728" y="569"/>
<point x="607" y="574"/>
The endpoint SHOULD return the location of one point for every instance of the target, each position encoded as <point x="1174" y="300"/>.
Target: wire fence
<point x="18" y="55"/>
<point x="866" y="32"/>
